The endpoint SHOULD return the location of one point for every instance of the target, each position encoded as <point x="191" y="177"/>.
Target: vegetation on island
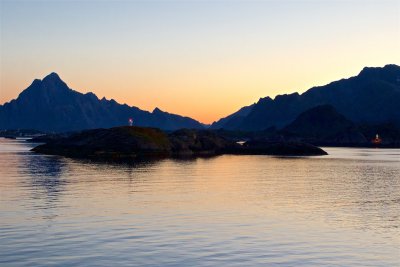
<point x="131" y="142"/>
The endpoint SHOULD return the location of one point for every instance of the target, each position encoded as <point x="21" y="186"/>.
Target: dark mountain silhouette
<point x="372" y="97"/>
<point x="324" y="125"/>
<point x="320" y="121"/>
<point x="50" y="105"/>
<point x="234" y="120"/>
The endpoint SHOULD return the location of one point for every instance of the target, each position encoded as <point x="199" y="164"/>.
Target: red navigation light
<point x="377" y="140"/>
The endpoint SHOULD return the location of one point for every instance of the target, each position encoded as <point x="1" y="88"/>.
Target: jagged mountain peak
<point x="157" y="110"/>
<point x="53" y="76"/>
<point x="50" y="105"/>
<point x="389" y="72"/>
<point x="54" y="81"/>
<point x="51" y="87"/>
<point x="373" y="97"/>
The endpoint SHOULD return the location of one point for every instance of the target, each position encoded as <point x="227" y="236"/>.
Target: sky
<point x="203" y="59"/>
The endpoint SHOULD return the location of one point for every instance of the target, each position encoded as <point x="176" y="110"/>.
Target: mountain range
<point x="372" y="97"/>
<point x="50" y="105"/>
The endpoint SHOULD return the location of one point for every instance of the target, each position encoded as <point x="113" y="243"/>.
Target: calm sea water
<point x="337" y="210"/>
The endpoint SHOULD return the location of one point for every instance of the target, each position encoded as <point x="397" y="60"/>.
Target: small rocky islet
<point x="131" y="142"/>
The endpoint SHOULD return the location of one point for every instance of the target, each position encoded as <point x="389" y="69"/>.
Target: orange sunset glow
<point x="191" y="59"/>
<point x="176" y="133"/>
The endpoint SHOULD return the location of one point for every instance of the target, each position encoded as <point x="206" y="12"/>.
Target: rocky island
<point x="130" y="142"/>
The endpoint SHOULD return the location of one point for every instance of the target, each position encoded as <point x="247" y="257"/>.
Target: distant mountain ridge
<point x="324" y="126"/>
<point x="234" y="120"/>
<point x="319" y="122"/>
<point x="50" y="105"/>
<point x="372" y="97"/>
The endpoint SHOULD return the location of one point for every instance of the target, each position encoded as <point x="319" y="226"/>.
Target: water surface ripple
<point x="337" y="210"/>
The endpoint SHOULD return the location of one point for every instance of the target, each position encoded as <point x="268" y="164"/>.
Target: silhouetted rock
<point x="46" y="138"/>
<point x="199" y="142"/>
<point x="131" y="143"/>
<point x="49" y="105"/>
<point x="114" y="144"/>
<point x="260" y="147"/>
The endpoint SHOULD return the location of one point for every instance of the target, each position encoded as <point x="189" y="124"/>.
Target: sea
<point x="342" y="209"/>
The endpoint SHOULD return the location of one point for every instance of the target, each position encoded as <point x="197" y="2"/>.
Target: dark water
<point x="337" y="210"/>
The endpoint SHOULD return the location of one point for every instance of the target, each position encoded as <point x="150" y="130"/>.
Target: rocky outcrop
<point x="259" y="147"/>
<point x="115" y="143"/>
<point x="129" y="143"/>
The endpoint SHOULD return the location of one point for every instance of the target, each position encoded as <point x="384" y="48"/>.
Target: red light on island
<point x="130" y="121"/>
<point x="377" y="140"/>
